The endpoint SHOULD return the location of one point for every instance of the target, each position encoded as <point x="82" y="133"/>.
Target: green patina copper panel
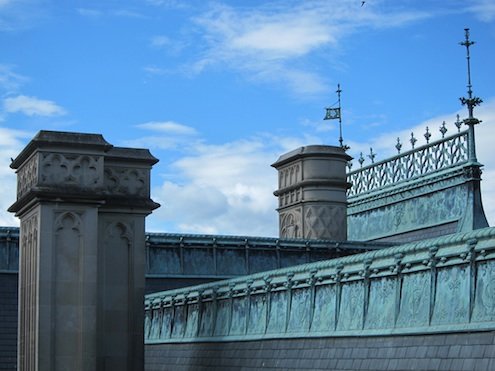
<point x="300" y="310"/>
<point x="324" y="311"/>
<point x="198" y="261"/>
<point x="484" y="308"/>
<point x="147" y="323"/>
<point x="415" y="300"/>
<point x="382" y="303"/>
<point x="167" y="315"/>
<point x="263" y="260"/>
<point x="239" y="315"/>
<point x="179" y="322"/>
<point x="231" y="262"/>
<point x="400" y="215"/>
<point x="278" y="311"/>
<point x="164" y="260"/>
<point x="257" y="314"/>
<point x="452" y="296"/>
<point x="223" y="317"/>
<point x="155" y="325"/>
<point x="351" y="306"/>
<point x="206" y="324"/>
<point x="192" y="320"/>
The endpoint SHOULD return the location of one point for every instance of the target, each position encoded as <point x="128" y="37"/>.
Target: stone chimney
<point x="312" y="186"/>
<point x="82" y="205"/>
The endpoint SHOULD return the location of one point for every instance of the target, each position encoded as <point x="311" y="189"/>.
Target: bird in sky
<point x="362" y="3"/>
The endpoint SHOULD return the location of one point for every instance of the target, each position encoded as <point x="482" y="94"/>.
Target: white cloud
<point x="90" y="13"/>
<point x="269" y="42"/>
<point x="170" y="4"/>
<point x="169" y="127"/>
<point x="11" y="143"/>
<point x="18" y="15"/>
<point x="154" y="70"/>
<point x="9" y="80"/>
<point x="222" y="189"/>
<point x="160" y="41"/>
<point x="93" y="13"/>
<point x="168" y="135"/>
<point x="32" y="106"/>
<point x="483" y="10"/>
<point x="283" y="38"/>
<point x="126" y="13"/>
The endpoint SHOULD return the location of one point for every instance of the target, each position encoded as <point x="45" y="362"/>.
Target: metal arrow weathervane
<point x="333" y="113"/>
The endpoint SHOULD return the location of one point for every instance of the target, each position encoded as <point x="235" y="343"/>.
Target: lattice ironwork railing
<point x="423" y="160"/>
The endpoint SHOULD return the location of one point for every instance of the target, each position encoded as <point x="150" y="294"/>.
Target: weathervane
<point x="336" y="113"/>
<point x="471" y="101"/>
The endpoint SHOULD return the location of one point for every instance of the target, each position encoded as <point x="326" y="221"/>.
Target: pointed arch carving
<point x="122" y="230"/>
<point x="68" y="220"/>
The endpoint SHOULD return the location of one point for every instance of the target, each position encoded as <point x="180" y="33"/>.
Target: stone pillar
<point x="312" y="186"/>
<point x="82" y="204"/>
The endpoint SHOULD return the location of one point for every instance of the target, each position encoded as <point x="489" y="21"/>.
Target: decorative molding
<point x="428" y="159"/>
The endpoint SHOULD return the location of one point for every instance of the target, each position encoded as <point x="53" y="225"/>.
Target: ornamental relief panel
<point x="124" y="181"/>
<point x="351" y="306"/>
<point x="432" y="209"/>
<point x="452" y="296"/>
<point x="78" y="170"/>
<point x="381" y="307"/>
<point x="324" y="221"/>
<point x="119" y="234"/>
<point x="27" y="176"/>
<point x="290" y="198"/>
<point x="291" y="225"/>
<point x="289" y="176"/>
<point x="484" y="307"/>
<point x="415" y="300"/>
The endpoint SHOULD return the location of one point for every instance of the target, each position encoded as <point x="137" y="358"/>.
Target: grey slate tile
<point x="454" y="351"/>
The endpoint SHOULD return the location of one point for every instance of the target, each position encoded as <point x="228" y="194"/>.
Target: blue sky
<point x="218" y="90"/>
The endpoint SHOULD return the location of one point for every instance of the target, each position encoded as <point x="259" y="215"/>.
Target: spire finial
<point x="398" y="146"/>
<point x="372" y="155"/>
<point x="471" y="101"/>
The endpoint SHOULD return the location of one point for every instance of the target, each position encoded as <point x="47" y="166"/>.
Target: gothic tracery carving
<point x="80" y="170"/>
<point x="27" y="177"/>
<point x="124" y="181"/>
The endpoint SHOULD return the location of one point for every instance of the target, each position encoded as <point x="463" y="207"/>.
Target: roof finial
<point x="471" y="101"/>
